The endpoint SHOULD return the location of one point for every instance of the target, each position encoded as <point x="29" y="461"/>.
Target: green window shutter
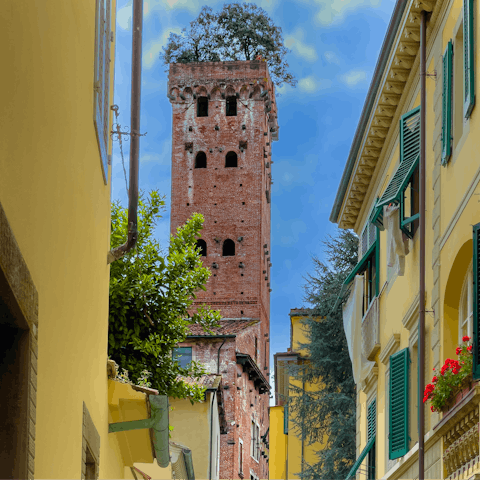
<point x="361" y="458"/>
<point x="398" y="408"/>
<point x="410" y="134"/>
<point x="285" y="420"/>
<point x="394" y="191"/>
<point x="476" y="300"/>
<point x="447" y="104"/>
<point x="371" y="420"/>
<point x="102" y="80"/>
<point x="468" y="58"/>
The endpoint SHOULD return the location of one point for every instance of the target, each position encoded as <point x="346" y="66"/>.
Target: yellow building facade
<point x="56" y="399"/>
<point x="286" y="448"/>
<point x="379" y="199"/>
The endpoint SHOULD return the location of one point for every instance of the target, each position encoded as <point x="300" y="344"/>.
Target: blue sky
<point x="334" y="48"/>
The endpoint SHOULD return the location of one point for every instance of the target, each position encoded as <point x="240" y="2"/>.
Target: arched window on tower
<point x="201" y="160"/>
<point x="231" y="160"/>
<point x="202" y="107"/>
<point x="228" y="248"/>
<point x="202" y="245"/>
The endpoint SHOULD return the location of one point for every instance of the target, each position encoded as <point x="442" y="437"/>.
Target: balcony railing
<point x="459" y="428"/>
<point x="371" y="331"/>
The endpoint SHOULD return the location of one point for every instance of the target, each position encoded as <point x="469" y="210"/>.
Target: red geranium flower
<point x="458" y="350"/>
<point x="465" y="338"/>
<point x="469" y="348"/>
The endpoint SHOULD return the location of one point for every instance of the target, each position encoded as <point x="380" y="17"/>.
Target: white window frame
<point x="240" y="456"/>
<point x="465" y="318"/>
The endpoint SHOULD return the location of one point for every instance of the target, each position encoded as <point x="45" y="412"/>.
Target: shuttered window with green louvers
<point x="468" y="57"/>
<point x="102" y="81"/>
<point x="398" y="414"/>
<point x="285" y="419"/>
<point x="371" y="433"/>
<point x="410" y="149"/>
<point x="476" y="301"/>
<point x="447" y="103"/>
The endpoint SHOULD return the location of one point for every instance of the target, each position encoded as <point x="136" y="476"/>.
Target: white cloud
<point x="162" y="158"/>
<point x="294" y="42"/>
<point x="311" y="84"/>
<point x="331" y="57"/>
<point x="334" y="11"/>
<point x="151" y="53"/>
<point x="353" y="77"/>
<point x="124" y="16"/>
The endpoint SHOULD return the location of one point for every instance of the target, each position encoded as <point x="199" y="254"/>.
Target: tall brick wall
<point x="236" y="205"/>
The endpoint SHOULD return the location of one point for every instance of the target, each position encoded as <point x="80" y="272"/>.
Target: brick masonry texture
<point x="235" y="203"/>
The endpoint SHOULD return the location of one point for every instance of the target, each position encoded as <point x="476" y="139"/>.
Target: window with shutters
<point x="447" y="103"/>
<point x="285" y="420"/>
<point x="371" y="433"/>
<point x="476" y="300"/>
<point x="468" y="58"/>
<point x="410" y="151"/>
<point x="102" y="81"/>
<point x="398" y="438"/>
<point x="465" y="310"/>
<point x="369" y="255"/>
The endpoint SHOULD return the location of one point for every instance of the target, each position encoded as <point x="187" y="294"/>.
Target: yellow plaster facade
<point x="286" y="451"/>
<point x="451" y="210"/>
<point x="54" y="239"/>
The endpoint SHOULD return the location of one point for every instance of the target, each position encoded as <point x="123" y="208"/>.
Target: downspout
<point x="303" y="426"/>
<point x="211" y="434"/>
<point x="118" y="252"/>
<point x="421" y="321"/>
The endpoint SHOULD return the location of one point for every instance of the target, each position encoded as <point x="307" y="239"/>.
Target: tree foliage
<point x="150" y="299"/>
<point x="240" y="31"/>
<point x="330" y="411"/>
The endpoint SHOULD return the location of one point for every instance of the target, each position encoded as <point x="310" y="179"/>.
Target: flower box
<point x="459" y="393"/>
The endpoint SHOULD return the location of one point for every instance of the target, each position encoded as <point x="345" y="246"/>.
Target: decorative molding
<point x="390" y="348"/>
<point x="370" y="381"/>
<point x="409" y="318"/>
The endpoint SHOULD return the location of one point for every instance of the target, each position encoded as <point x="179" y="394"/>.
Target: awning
<point x="395" y="188"/>
<point x="361" y="458"/>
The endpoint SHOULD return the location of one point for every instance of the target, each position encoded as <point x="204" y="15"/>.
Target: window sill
<point x="254" y="458"/>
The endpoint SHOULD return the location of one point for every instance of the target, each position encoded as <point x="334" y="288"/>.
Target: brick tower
<point x="224" y="120"/>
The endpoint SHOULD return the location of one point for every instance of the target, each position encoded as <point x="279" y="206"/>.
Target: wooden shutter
<point x="468" y="57"/>
<point x="398" y="414"/>
<point x="447" y="104"/>
<point x="410" y="134"/>
<point x="361" y="458"/>
<point x="476" y="300"/>
<point x="371" y="420"/>
<point x="285" y="420"/>
<point x="102" y="80"/>
<point x="367" y="238"/>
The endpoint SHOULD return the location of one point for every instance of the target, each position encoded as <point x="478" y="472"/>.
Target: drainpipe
<point x="421" y="321"/>
<point x="211" y="433"/>
<point x="120" y="251"/>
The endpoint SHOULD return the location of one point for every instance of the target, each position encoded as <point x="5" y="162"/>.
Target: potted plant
<point x="454" y="380"/>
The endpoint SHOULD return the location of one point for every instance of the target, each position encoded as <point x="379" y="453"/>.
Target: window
<point x="240" y="456"/>
<point x="447" y="104"/>
<point x="256" y="349"/>
<point x="371" y="433"/>
<point x="410" y="150"/>
<point x="183" y="355"/>
<point x="202" y="107"/>
<point x="255" y="441"/>
<point x="285" y="420"/>
<point x="469" y="72"/>
<point x="102" y="80"/>
<point x="465" y="311"/>
<point x="231" y="160"/>
<point x="231" y="106"/>
<point x="368" y="264"/>
<point x="202" y="246"/>
<point x="398" y="405"/>
<point x="228" y="248"/>
<point x="201" y="160"/>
